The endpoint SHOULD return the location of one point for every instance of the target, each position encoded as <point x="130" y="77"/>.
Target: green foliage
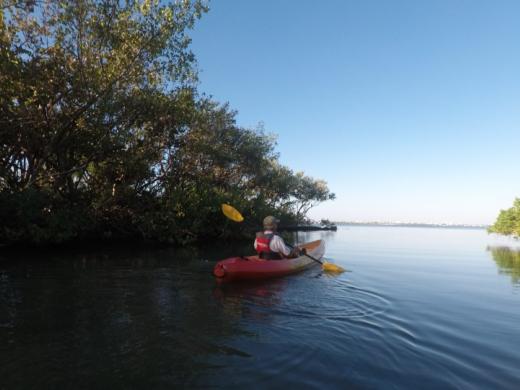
<point x="307" y="192"/>
<point x="104" y="134"/>
<point x="36" y="216"/>
<point x="82" y="82"/>
<point x="508" y="221"/>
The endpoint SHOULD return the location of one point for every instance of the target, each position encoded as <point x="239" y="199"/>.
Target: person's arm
<point x="278" y="245"/>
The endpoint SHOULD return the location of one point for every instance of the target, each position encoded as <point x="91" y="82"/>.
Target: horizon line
<point x="389" y="223"/>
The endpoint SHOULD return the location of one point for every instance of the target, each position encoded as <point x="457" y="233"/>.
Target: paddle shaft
<point x="309" y="256"/>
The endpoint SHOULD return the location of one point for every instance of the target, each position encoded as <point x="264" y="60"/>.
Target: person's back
<point x="268" y="244"/>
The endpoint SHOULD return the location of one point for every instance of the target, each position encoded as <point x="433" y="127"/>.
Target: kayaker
<point x="271" y="246"/>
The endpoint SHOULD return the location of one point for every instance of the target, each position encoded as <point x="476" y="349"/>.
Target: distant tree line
<point x="103" y="133"/>
<point x="508" y="221"/>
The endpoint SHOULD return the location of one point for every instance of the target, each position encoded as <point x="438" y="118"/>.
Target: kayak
<point x="252" y="267"/>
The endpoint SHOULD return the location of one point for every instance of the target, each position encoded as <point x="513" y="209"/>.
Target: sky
<point x="410" y="110"/>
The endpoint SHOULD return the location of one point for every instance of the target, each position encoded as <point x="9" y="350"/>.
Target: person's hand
<point x="295" y="252"/>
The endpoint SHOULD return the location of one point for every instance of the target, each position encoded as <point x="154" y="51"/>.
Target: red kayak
<point x="252" y="267"/>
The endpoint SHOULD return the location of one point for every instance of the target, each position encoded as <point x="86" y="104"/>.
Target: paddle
<point x="233" y="214"/>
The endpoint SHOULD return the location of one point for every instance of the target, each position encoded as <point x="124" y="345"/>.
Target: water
<point x="421" y="307"/>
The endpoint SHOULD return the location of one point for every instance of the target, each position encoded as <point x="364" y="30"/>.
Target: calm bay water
<point x="421" y="307"/>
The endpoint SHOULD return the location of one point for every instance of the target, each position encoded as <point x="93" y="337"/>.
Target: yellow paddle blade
<point x="232" y="213"/>
<point x="329" y="267"/>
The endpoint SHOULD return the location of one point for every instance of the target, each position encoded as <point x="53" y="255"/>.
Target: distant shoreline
<point x="404" y="224"/>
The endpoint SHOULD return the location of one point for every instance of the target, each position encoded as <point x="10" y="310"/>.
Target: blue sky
<point x="410" y="110"/>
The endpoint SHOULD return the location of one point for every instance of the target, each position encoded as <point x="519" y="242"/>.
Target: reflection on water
<point x="423" y="308"/>
<point x="253" y="300"/>
<point x="507" y="260"/>
<point x="145" y="315"/>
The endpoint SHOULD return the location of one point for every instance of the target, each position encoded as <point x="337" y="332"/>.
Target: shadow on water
<point x="508" y="261"/>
